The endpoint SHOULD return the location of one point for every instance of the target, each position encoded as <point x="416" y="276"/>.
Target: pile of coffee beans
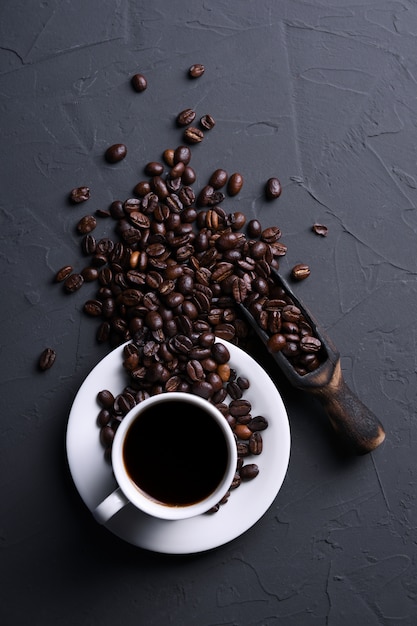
<point x="178" y="252"/>
<point x="172" y="277"/>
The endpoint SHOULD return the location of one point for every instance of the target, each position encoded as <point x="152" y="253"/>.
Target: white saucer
<point x="94" y="480"/>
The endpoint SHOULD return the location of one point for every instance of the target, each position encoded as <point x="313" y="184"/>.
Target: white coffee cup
<point x="174" y="456"/>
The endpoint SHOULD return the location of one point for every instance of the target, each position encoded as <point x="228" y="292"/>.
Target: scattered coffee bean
<point x="234" y="184"/>
<point x="73" y="282"/>
<point x="105" y="398"/>
<point x="300" y="271"/>
<point x="115" y="153"/>
<point x="86" y="224"/>
<point x="273" y="188"/>
<point x="193" y="135"/>
<point x="47" y="359"/>
<point x="218" y="179"/>
<point x="320" y="229"/>
<point x="63" y="273"/>
<point x="249" y="471"/>
<point x="207" y="122"/>
<point x="154" y="168"/>
<point x="80" y="194"/>
<point x="139" y="82"/>
<point x="187" y="116"/>
<point x="256" y="443"/>
<point x="196" y="70"/>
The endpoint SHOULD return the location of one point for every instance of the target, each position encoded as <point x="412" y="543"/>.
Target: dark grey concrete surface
<point x="322" y="95"/>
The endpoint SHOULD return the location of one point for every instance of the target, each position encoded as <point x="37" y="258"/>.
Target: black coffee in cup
<point x="176" y="453"/>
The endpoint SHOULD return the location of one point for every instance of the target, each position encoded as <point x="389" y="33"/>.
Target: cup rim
<point x="145" y="503"/>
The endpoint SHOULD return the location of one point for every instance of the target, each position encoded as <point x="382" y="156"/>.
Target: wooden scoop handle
<point x="354" y="423"/>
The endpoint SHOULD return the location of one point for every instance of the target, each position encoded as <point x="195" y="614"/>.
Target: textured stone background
<point x="321" y="94"/>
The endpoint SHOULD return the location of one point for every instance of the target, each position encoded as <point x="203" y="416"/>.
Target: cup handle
<point x="110" y="506"/>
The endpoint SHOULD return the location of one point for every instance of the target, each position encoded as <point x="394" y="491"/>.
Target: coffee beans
<point x="185" y="117"/>
<point x="47" y="359"/>
<point x="207" y="122"/>
<point x="300" y="271"/>
<point x="86" y="224"/>
<point x="218" y="179"/>
<point x="73" y="282"/>
<point x="115" y="153"/>
<point x="273" y="188"/>
<point x="320" y="229"/>
<point x="63" y="273"/>
<point x="169" y="280"/>
<point x="234" y="184"/>
<point x="196" y="70"/>
<point x="80" y="194"/>
<point x="139" y="82"/>
<point x="193" y="135"/>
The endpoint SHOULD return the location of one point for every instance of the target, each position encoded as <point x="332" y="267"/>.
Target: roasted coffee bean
<point x="79" y="194"/>
<point x="102" y="213"/>
<point x="207" y="122"/>
<point x="115" y="153"/>
<point x="258" y="423"/>
<point x="234" y="184"/>
<point x="86" y="224"/>
<point x="193" y="135"/>
<point x="291" y="313"/>
<point x="105" y="398"/>
<point x="237" y="220"/>
<point x="140" y="189"/>
<point x="301" y="271"/>
<point x="242" y="451"/>
<point x="320" y="229"/>
<point x="256" y="443"/>
<point x="104" y="246"/>
<point x="202" y="388"/>
<point x="187" y="116"/>
<point x="104" y="418"/>
<point x="153" y="168"/>
<point x="93" y="308"/>
<point x="139" y="82"/>
<point x="242" y="432"/>
<point x="123" y="403"/>
<point x="271" y="234"/>
<point x="273" y="188"/>
<point x="107" y="434"/>
<point x="182" y="153"/>
<point x="103" y="332"/>
<point x="168" y="156"/>
<point x="276" y="342"/>
<point x="310" y="344"/>
<point x="159" y="187"/>
<point x="203" y="198"/>
<point x="195" y="370"/>
<point x="249" y="471"/>
<point x="254" y="228"/>
<point x="88" y="245"/>
<point x="176" y="173"/>
<point x="73" y="282"/>
<point x="188" y="176"/>
<point x="47" y="359"/>
<point x="116" y="210"/>
<point x="220" y="353"/>
<point x="240" y="407"/>
<point x="196" y="70"/>
<point x="218" y="179"/>
<point x="63" y="273"/>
